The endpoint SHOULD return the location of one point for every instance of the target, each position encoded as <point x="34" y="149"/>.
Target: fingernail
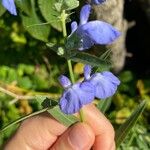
<point x="80" y="136"/>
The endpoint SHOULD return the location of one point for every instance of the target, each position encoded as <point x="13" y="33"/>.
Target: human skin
<point x="42" y="132"/>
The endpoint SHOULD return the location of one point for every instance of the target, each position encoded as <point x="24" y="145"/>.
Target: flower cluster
<point x="89" y="33"/>
<point x="10" y="6"/>
<point x="98" y="85"/>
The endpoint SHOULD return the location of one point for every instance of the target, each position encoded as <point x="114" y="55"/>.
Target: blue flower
<point x="89" y="33"/>
<point x="75" y="96"/>
<point x="10" y="6"/>
<point x="105" y="83"/>
<point x="97" y="2"/>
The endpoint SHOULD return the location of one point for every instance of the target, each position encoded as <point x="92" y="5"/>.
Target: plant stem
<point x="81" y="114"/>
<point x="71" y="71"/>
<point x="63" y="20"/>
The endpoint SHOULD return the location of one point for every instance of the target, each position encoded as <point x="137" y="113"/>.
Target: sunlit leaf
<point x="50" y="13"/>
<point x="35" y="27"/>
<point x="125" y="128"/>
<point x="70" y="4"/>
<point x="66" y="120"/>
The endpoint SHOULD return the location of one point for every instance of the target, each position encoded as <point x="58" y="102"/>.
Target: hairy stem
<point x="63" y="20"/>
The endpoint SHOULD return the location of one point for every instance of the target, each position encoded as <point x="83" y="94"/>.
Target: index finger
<point x="101" y="126"/>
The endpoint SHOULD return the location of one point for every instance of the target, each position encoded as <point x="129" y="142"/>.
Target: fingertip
<point x="79" y="136"/>
<point x="82" y="136"/>
<point x="104" y="142"/>
<point x="101" y="126"/>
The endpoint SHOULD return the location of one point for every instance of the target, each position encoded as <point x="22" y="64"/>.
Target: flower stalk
<point x="63" y="21"/>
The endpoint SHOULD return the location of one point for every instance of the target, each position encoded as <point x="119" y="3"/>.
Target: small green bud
<point x="60" y="51"/>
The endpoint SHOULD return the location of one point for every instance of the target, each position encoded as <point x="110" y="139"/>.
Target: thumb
<point x="79" y="137"/>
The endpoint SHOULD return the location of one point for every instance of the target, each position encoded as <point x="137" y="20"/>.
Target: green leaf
<point x="40" y="99"/>
<point x="70" y="4"/>
<point x="22" y="118"/>
<point x="46" y="102"/>
<point x="66" y="120"/>
<point x="82" y="57"/>
<point x="125" y="128"/>
<point x="35" y="27"/>
<point x="24" y="5"/>
<point x="2" y="9"/>
<point x="50" y="13"/>
<point x="103" y="105"/>
<point x="89" y="59"/>
<point x="106" y="54"/>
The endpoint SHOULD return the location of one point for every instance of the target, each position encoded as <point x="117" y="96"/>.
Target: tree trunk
<point x="111" y="11"/>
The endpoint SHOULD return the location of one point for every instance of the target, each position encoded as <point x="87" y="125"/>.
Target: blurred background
<point x="29" y="68"/>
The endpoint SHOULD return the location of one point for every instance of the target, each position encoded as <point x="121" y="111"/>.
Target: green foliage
<point x="32" y="24"/>
<point x="137" y="139"/>
<point x="26" y="76"/>
<point x="81" y="57"/>
<point x="51" y="10"/>
<point x="125" y="128"/>
<point x="67" y="120"/>
<point x="2" y="9"/>
<point x="24" y="6"/>
<point x="50" y="13"/>
<point x="8" y="113"/>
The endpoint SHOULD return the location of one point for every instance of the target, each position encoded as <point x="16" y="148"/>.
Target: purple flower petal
<point x="98" y="32"/>
<point x="64" y="81"/>
<point x="10" y="6"/>
<point x="84" y="14"/>
<point x="104" y="85"/>
<point x="75" y="97"/>
<point x="97" y="2"/>
<point x="87" y="71"/>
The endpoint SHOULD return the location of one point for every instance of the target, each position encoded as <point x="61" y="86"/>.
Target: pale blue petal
<point x="84" y="14"/>
<point x="64" y="81"/>
<point x="10" y="6"/>
<point x="98" y="32"/>
<point x="69" y="102"/>
<point x="97" y="2"/>
<point x="104" y="88"/>
<point x="111" y="77"/>
<point x="86" y="93"/>
<point x="76" y="96"/>
<point x="74" y="26"/>
<point x="87" y="71"/>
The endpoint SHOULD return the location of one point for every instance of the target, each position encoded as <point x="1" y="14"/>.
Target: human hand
<point x="42" y="132"/>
